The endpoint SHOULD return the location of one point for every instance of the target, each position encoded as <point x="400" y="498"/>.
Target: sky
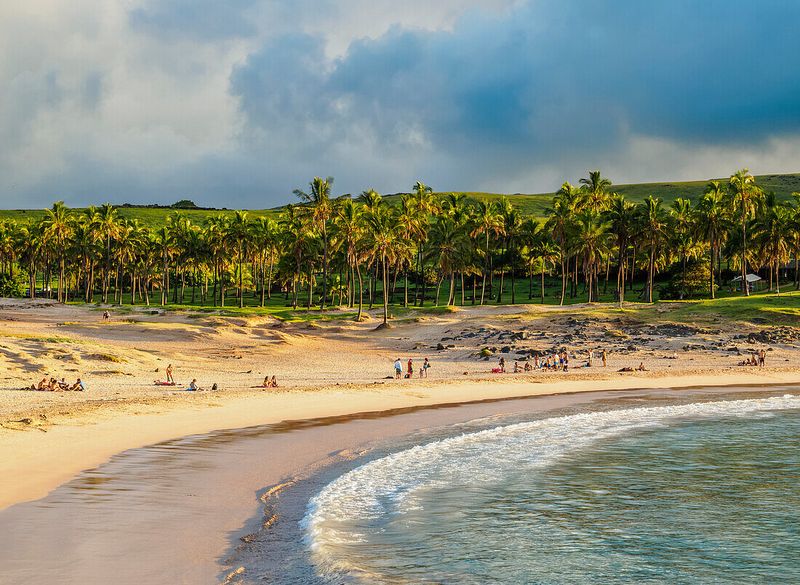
<point x="236" y="103"/>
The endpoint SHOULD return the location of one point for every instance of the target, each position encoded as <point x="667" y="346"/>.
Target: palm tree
<point x="683" y="216"/>
<point x="594" y="194"/>
<point x="486" y="222"/>
<point x="621" y="217"/>
<point x="712" y="223"/>
<point x="412" y="228"/>
<point x="239" y="235"/>
<point x="424" y="203"/>
<point x="382" y="240"/>
<point x="561" y="220"/>
<point x="320" y="206"/>
<point x="654" y="227"/>
<point x="349" y="229"/>
<point x="266" y="236"/>
<point x="745" y="198"/>
<point x="772" y="235"/>
<point x="106" y="223"/>
<point x="591" y="245"/>
<point x="57" y="228"/>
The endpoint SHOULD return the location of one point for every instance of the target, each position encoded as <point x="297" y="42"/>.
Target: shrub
<point x="698" y="275"/>
<point x="13" y="287"/>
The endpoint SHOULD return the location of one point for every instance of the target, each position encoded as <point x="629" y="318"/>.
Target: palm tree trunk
<point x="563" y="280"/>
<point x="360" y="293"/>
<point x="712" y="269"/>
<point x="745" y="286"/>
<point x="485" y="269"/>
<point x="385" y="291"/>
<point x="451" y="296"/>
<point x="542" y="282"/>
<point x="324" y="267"/>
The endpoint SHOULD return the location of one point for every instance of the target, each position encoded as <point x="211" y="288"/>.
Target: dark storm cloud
<point x="551" y="77"/>
<point x="238" y="102"/>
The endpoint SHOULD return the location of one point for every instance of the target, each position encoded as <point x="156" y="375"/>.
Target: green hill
<point x="535" y="204"/>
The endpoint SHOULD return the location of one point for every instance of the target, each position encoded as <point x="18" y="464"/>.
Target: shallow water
<point x="697" y="493"/>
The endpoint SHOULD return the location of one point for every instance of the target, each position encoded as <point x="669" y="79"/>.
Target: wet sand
<point x="174" y="512"/>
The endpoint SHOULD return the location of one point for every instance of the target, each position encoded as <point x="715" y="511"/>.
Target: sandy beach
<point x="324" y="368"/>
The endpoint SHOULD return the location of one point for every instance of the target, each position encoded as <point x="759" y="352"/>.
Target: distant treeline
<point x="337" y="251"/>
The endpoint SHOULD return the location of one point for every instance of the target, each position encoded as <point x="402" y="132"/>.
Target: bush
<point x="184" y="204"/>
<point x="698" y="275"/>
<point x="13" y="287"/>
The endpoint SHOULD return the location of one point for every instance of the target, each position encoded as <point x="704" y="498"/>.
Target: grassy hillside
<point x="534" y="204"/>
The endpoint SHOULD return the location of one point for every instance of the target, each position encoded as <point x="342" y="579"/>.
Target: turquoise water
<point x="698" y="493"/>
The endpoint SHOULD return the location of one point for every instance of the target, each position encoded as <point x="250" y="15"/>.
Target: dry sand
<point x="325" y="369"/>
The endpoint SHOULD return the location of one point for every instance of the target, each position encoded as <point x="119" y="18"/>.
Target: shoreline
<point x="33" y="463"/>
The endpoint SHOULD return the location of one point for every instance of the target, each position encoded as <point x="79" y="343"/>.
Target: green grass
<point x="148" y="216"/>
<point x="762" y="308"/>
<point x="531" y="204"/>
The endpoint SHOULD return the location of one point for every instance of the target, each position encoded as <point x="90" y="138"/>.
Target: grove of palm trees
<point x="429" y="250"/>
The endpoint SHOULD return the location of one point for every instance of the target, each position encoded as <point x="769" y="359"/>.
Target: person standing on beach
<point x="604" y="357"/>
<point x="423" y="371"/>
<point x="591" y="355"/>
<point x="169" y="374"/>
<point x="398" y="369"/>
<point x="410" y="370"/>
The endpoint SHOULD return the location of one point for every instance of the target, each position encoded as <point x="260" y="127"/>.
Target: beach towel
<point x="162" y="383"/>
<point x="497" y="371"/>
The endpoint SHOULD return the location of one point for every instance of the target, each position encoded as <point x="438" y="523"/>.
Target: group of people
<point x="398" y="369"/>
<point x="758" y="358"/>
<point x="557" y="361"/>
<point x="269" y="382"/>
<point x="53" y="385"/>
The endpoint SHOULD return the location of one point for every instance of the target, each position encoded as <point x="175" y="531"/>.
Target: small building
<point x="752" y="282"/>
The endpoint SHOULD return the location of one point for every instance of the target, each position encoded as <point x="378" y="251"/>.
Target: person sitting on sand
<point x="528" y="367"/>
<point x="273" y="383"/>
<point x="517" y="369"/>
<point x="169" y="374"/>
<point x="78" y="386"/>
<point x="641" y="367"/>
<point x="106" y="315"/>
<point x="63" y="384"/>
<point x="53" y="385"/>
<point x="42" y="385"/>
<point x="193" y="387"/>
<point x="398" y="369"/>
<point x="265" y="384"/>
